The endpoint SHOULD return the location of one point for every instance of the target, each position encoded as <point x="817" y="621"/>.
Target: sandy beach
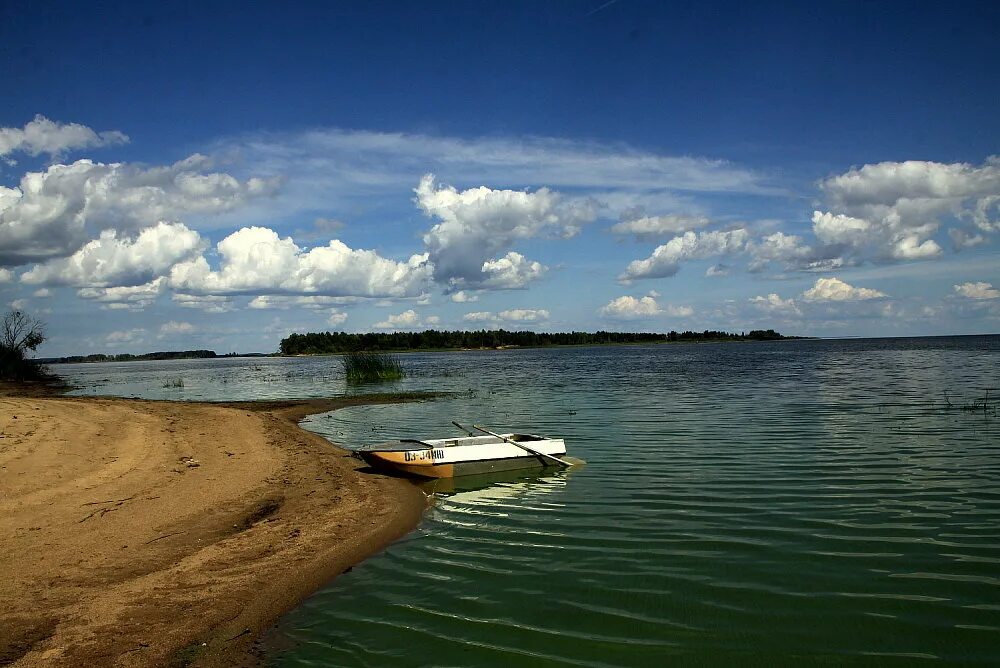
<point x="140" y="533"/>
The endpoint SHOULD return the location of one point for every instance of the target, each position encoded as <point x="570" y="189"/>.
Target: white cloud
<point x="336" y="319"/>
<point x="627" y="307"/>
<point x="511" y="272"/>
<point x="55" y="212"/>
<point x="961" y="239"/>
<point x="981" y="290"/>
<point x="42" y="292"/>
<point x="464" y="296"/>
<point x="479" y="316"/>
<point x="19" y="304"/>
<point x="206" y="303"/>
<point x="836" y="290"/>
<point x="315" y="302"/>
<point x="362" y="161"/>
<point x="655" y="227"/>
<point x="511" y="315"/>
<point x="408" y="319"/>
<point x="774" y="303"/>
<point x="665" y="260"/>
<point x="133" y="297"/>
<point x="134" y="335"/>
<point x="630" y="308"/>
<point x="118" y="261"/>
<point x="479" y="223"/>
<point x="678" y="311"/>
<point x="523" y="315"/>
<point x="892" y="210"/>
<point x="41" y="135"/>
<point x="255" y="260"/>
<point x="172" y="327"/>
<point x="840" y="229"/>
<point x="6" y="275"/>
<point x="778" y="246"/>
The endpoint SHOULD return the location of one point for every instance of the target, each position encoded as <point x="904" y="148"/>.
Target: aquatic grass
<point x="362" y="367"/>
<point x="175" y="383"/>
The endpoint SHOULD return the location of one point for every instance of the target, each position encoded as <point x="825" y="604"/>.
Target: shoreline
<point x="150" y="533"/>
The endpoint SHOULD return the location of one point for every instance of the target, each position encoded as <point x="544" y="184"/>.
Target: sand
<point x="138" y="533"/>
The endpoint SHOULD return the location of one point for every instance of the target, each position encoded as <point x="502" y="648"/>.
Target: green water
<point x="767" y="504"/>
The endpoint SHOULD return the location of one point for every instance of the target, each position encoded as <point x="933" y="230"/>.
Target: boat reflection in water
<point x="496" y="493"/>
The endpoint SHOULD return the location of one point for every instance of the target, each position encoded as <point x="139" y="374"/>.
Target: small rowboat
<point x="467" y="455"/>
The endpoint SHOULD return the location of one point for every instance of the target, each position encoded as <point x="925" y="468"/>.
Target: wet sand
<point x="140" y="533"/>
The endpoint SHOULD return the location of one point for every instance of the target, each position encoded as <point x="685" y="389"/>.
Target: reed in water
<point x="362" y="367"/>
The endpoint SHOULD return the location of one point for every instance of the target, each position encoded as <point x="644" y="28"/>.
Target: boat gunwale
<point x="409" y="445"/>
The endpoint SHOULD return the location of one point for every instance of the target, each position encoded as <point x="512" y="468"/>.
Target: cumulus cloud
<point x="133" y="298"/>
<point x="336" y="319"/>
<point x="892" y="210"/>
<point x="511" y="272"/>
<point x="627" y="307"/>
<point x="134" y="335"/>
<point x="479" y="316"/>
<point x="678" y="311"/>
<point x="630" y="308"/>
<point x="836" y="290"/>
<point x="206" y="303"/>
<point x="172" y="327"/>
<point x="479" y="223"/>
<point x="524" y="315"/>
<point x="41" y="135"/>
<point x="665" y="260"/>
<point x="511" y="315"/>
<point x="119" y="261"/>
<point x="980" y="290"/>
<point x="255" y="260"/>
<point x="464" y="296"/>
<point x="408" y="319"/>
<point x="54" y="213"/>
<point x="778" y="246"/>
<point x="773" y="303"/>
<point x="6" y="275"/>
<point x="658" y="227"/>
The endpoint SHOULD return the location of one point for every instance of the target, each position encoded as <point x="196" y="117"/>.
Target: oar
<point x="522" y="446"/>
<point x="462" y="428"/>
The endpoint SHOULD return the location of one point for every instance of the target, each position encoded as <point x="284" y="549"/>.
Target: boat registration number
<point x="423" y="455"/>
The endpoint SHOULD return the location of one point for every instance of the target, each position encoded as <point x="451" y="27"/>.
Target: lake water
<point x="767" y="503"/>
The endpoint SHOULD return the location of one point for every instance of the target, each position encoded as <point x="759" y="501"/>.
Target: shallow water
<point x="805" y="501"/>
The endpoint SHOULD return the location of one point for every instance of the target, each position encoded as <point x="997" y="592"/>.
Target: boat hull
<point x="452" y="470"/>
<point x="448" y="458"/>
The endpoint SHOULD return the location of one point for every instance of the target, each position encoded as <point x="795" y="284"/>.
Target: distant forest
<point x="126" y="357"/>
<point x="320" y="343"/>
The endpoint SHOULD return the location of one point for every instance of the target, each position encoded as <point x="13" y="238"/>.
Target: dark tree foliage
<point x="20" y="334"/>
<point x="319" y="343"/>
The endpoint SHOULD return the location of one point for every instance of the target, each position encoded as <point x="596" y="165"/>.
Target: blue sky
<point x="217" y="175"/>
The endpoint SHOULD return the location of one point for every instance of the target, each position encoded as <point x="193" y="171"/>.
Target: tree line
<point x="128" y="357"/>
<point x="320" y="343"/>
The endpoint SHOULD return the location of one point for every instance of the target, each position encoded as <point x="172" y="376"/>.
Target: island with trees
<point x="325" y="343"/>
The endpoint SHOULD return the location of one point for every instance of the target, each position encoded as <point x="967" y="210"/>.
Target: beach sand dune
<point x="139" y="533"/>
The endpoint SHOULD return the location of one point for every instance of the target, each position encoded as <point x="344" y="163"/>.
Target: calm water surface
<point x="785" y="503"/>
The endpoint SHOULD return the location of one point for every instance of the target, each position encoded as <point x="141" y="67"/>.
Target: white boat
<point x="466" y="455"/>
